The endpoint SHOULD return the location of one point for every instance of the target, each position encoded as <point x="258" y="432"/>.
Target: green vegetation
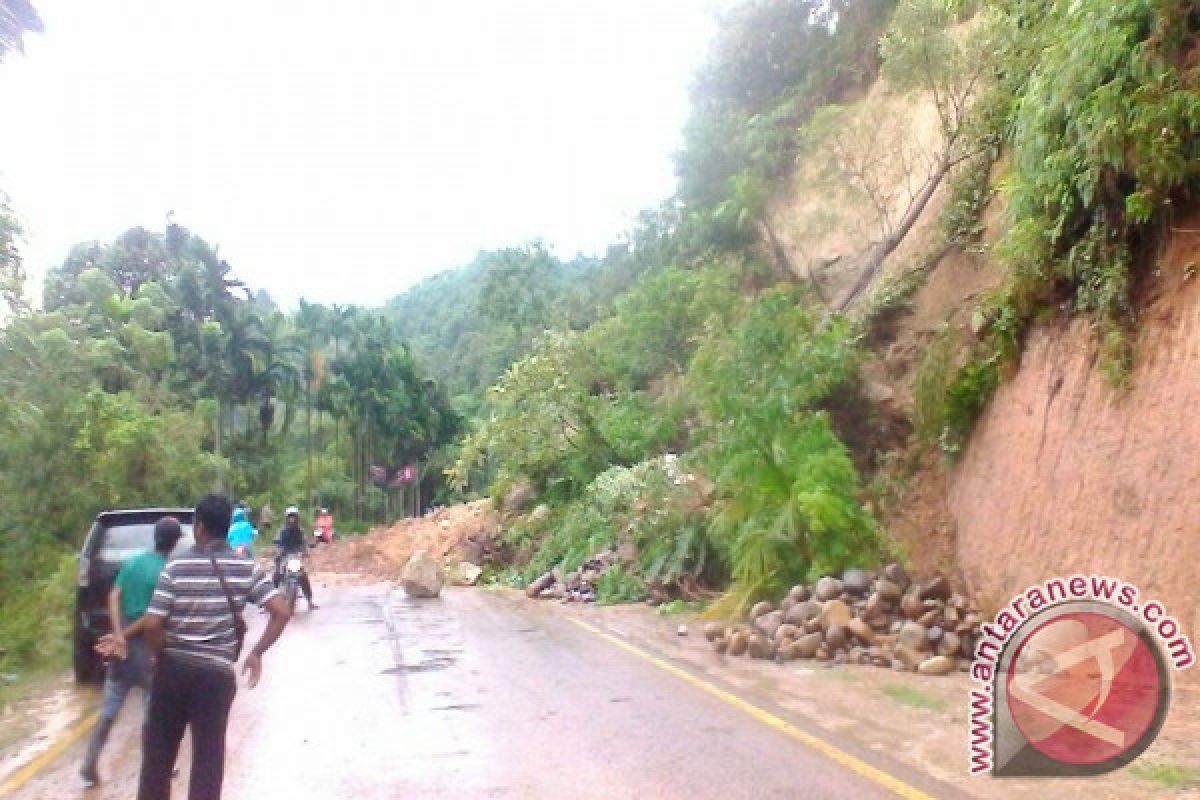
<point x="787" y="507"/>
<point x="150" y="376"/>
<point x="913" y="697"/>
<point x="1167" y="774"/>
<point x="686" y="398"/>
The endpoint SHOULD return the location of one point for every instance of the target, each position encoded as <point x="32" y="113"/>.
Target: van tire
<point x="88" y="668"/>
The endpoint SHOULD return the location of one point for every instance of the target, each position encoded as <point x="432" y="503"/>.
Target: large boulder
<point x="835" y="612"/>
<point x="950" y="644"/>
<point x="803" y="612"/>
<point x="422" y="576"/>
<point x="914" y="635"/>
<point x="887" y="590"/>
<point x="806" y="646"/>
<point x="896" y="574"/>
<point x="760" y="608"/>
<point x="938" y="588"/>
<point x="768" y="623"/>
<point x="938" y="665"/>
<point x="827" y="588"/>
<point x="856" y="581"/>
<point x="861" y="630"/>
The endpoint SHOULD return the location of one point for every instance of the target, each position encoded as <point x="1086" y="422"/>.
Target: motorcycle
<point x="322" y="537"/>
<point x="289" y="582"/>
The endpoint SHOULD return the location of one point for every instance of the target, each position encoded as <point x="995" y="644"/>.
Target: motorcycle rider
<point x="241" y="534"/>
<point x="324" y="526"/>
<point x="290" y="542"/>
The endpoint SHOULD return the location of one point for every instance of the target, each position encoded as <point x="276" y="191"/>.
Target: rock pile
<point x="579" y="585"/>
<point x="887" y="620"/>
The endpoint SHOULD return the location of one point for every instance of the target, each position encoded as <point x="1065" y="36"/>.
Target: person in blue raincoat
<point x="241" y="533"/>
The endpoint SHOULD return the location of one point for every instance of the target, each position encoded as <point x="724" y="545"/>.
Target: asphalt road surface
<point x="484" y="695"/>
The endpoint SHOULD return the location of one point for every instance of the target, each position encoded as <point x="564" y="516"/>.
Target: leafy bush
<point x="966" y="397"/>
<point x="787" y="489"/>
<point x="36" y="625"/>
<point x="648" y="506"/>
<point x="618" y="586"/>
<point x="936" y="370"/>
<point x="1101" y="145"/>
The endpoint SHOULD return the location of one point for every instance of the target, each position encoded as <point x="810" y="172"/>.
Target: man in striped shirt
<point x="192" y="628"/>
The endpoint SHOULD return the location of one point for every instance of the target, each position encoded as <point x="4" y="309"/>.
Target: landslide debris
<point x="887" y="620"/>
<point x="461" y="533"/>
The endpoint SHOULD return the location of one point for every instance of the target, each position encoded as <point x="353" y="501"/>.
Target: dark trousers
<point x="181" y="696"/>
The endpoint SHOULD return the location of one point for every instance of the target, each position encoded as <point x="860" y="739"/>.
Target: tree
<point x="312" y="320"/>
<point x="896" y="174"/>
<point x="519" y="284"/>
<point x="787" y="489"/>
<point x="544" y="421"/>
<point x="279" y="368"/>
<point x="12" y="271"/>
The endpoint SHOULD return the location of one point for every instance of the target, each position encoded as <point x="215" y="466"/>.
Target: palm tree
<point x="17" y="17"/>
<point x="310" y="320"/>
<point x="277" y="368"/>
<point x="343" y="321"/>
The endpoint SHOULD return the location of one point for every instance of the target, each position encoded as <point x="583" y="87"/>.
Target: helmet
<point x="324" y="510"/>
<point x="291" y="510"/>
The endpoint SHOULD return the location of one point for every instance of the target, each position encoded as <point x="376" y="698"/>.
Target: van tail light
<point x="81" y="577"/>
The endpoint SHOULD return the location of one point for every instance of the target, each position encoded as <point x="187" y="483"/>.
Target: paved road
<point x="479" y="695"/>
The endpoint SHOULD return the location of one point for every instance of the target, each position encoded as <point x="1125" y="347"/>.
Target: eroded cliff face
<point x="1064" y="474"/>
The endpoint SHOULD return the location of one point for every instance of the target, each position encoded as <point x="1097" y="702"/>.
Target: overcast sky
<point x="341" y="150"/>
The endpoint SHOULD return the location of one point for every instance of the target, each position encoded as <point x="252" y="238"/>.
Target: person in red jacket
<point x="324" y="526"/>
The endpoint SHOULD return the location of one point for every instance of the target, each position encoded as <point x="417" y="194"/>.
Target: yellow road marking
<point x="767" y="718"/>
<point x="30" y="770"/>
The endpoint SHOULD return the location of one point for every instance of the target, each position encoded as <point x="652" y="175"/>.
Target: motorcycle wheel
<point x="289" y="594"/>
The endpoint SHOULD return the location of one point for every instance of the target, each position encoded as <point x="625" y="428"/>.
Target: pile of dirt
<point x="457" y="533"/>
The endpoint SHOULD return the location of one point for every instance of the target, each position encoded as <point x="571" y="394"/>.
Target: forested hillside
<point x="837" y="156"/>
<point x="716" y="395"/>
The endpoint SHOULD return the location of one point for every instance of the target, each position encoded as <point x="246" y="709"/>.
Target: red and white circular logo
<point x="1086" y="688"/>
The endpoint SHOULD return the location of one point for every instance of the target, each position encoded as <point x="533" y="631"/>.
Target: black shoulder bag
<point x="239" y="624"/>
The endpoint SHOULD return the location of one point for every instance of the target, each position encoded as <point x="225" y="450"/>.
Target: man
<point x="266" y="517"/>
<point x="130" y="666"/>
<point x="193" y="639"/>
<point x="290" y="542"/>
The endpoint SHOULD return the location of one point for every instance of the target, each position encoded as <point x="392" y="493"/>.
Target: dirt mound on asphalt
<point x="448" y="534"/>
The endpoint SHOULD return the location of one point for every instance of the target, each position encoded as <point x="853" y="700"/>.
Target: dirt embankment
<point x="1064" y="474"/>
<point x="457" y="533"/>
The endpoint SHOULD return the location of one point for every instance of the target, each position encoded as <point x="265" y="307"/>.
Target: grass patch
<point x="914" y="698"/>
<point x="1167" y="774"/>
<point x="681" y="606"/>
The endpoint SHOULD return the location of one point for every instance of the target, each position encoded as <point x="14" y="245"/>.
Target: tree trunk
<point x="217" y="445"/>
<point x="885" y="248"/>
<point x="782" y="263"/>
<point x="308" y="433"/>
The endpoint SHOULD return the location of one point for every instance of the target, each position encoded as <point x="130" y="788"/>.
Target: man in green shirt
<point x="130" y="666"/>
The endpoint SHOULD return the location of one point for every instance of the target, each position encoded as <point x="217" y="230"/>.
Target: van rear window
<point x="122" y="541"/>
